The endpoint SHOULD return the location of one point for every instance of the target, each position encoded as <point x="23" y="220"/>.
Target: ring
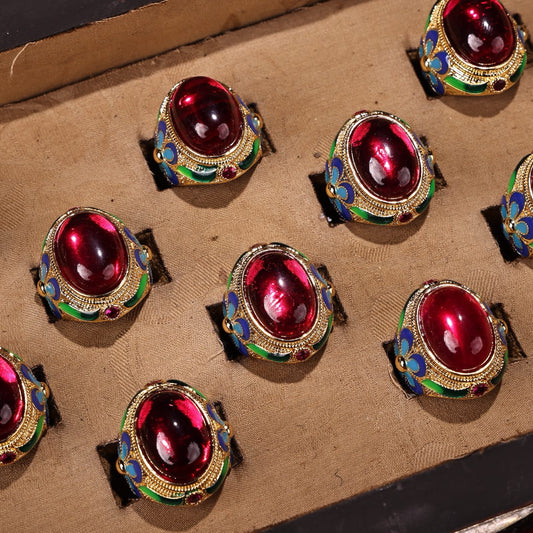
<point x="23" y="408"/>
<point x="449" y="344"/>
<point x="379" y="171"/>
<point x="471" y="47"/>
<point x="517" y="208"/>
<point x="92" y="267"/>
<point x="277" y="305"/>
<point x="205" y="134"/>
<point x="174" y="448"/>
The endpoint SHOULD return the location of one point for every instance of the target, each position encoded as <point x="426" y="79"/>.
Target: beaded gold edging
<point x="183" y="166"/>
<point x="449" y="74"/>
<point x="142" y="477"/>
<point x="259" y="343"/>
<point x="66" y="302"/>
<point x="425" y="374"/>
<point x="34" y="422"/>
<point x="352" y="199"/>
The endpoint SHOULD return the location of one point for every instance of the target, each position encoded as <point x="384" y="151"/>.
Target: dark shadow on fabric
<point x="160" y="274"/>
<point x="516" y="352"/>
<point x="414" y="59"/>
<point x="458" y="411"/>
<point x="493" y="218"/>
<point x="385" y="234"/>
<point x="108" y="454"/>
<point x="12" y="472"/>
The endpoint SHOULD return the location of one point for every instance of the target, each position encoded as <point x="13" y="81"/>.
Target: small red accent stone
<point x="499" y="85"/>
<point x="194" y="498"/>
<point x="385" y="159"/>
<point x="112" y="312"/>
<point x="7" y="457"/>
<point x="480" y="31"/>
<point x="206" y="116"/>
<point x="91" y="253"/>
<point x="280" y="294"/>
<point x="456" y="328"/>
<point x="174" y="436"/>
<point x="228" y="173"/>
<point x="405" y="217"/>
<point x="11" y="400"/>
<point x="480" y="389"/>
<point x="302" y="355"/>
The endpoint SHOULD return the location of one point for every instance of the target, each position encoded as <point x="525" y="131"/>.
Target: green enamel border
<point x="250" y="158"/>
<point x="206" y="175"/>
<point x="365" y="215"/>
<point x="69" y="310"/>
<point x="156" y="497"/>
<point x="221" y="478"/>
<point x="267" y="355"/>
<point x="423" y="206"/>
<point x="520" y="70"/>
<point x="323" y="340"/>
<point x="444" y="391"/>
<point x="138" y="295"/>
<point x="332" y="150"/>
<point x="31" y="443"/>
<point x="465" y="87"/>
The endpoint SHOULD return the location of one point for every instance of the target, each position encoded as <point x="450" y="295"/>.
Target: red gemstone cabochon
<point x="91" y="253"/>
<point x="11" y="400"/>
<point x="280" y="294"/>
<point x="206" y="116"/>
<point x="480" y="31"/>
<point x="456" y="328"/>
<point x="174" y="436"/>
<point x="385" y="158"/>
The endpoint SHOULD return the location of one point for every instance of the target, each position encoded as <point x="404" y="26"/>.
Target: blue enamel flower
<point x="433" y="63"/>
<point x="239" y="326"/>
<point x="326" y="294"/>
<point x="168" y="153"/>
<point x="518" y="229"/>
<point x="344" y="193"/>
<point x="414" y="362"/>
<point x="132" y="469"/>
<point x="38" y="396"/>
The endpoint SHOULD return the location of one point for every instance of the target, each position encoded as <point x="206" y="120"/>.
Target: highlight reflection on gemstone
<point x="174" y="436"/>
<point x="280" y="294"/>
<point x="91" y="253"/>
<point x="480" y="31"/>
<point x="385" y="159"/>
<point x="206" y="116"/>
<point x="456" y="328"/>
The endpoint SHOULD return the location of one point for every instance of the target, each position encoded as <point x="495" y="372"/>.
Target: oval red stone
<point x="456" y="328"/>
<point x="385" y="159"/>
<point x="206" y="116"/>
<point x="91" y="253"/>
<point x="280" y="294"/>
<point x="480" y="31"/>
<point x="11" y="400"/>
<point x="174" y="436"/>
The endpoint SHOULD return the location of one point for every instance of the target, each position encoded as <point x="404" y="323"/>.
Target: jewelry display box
<point x="338" y="429"/>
